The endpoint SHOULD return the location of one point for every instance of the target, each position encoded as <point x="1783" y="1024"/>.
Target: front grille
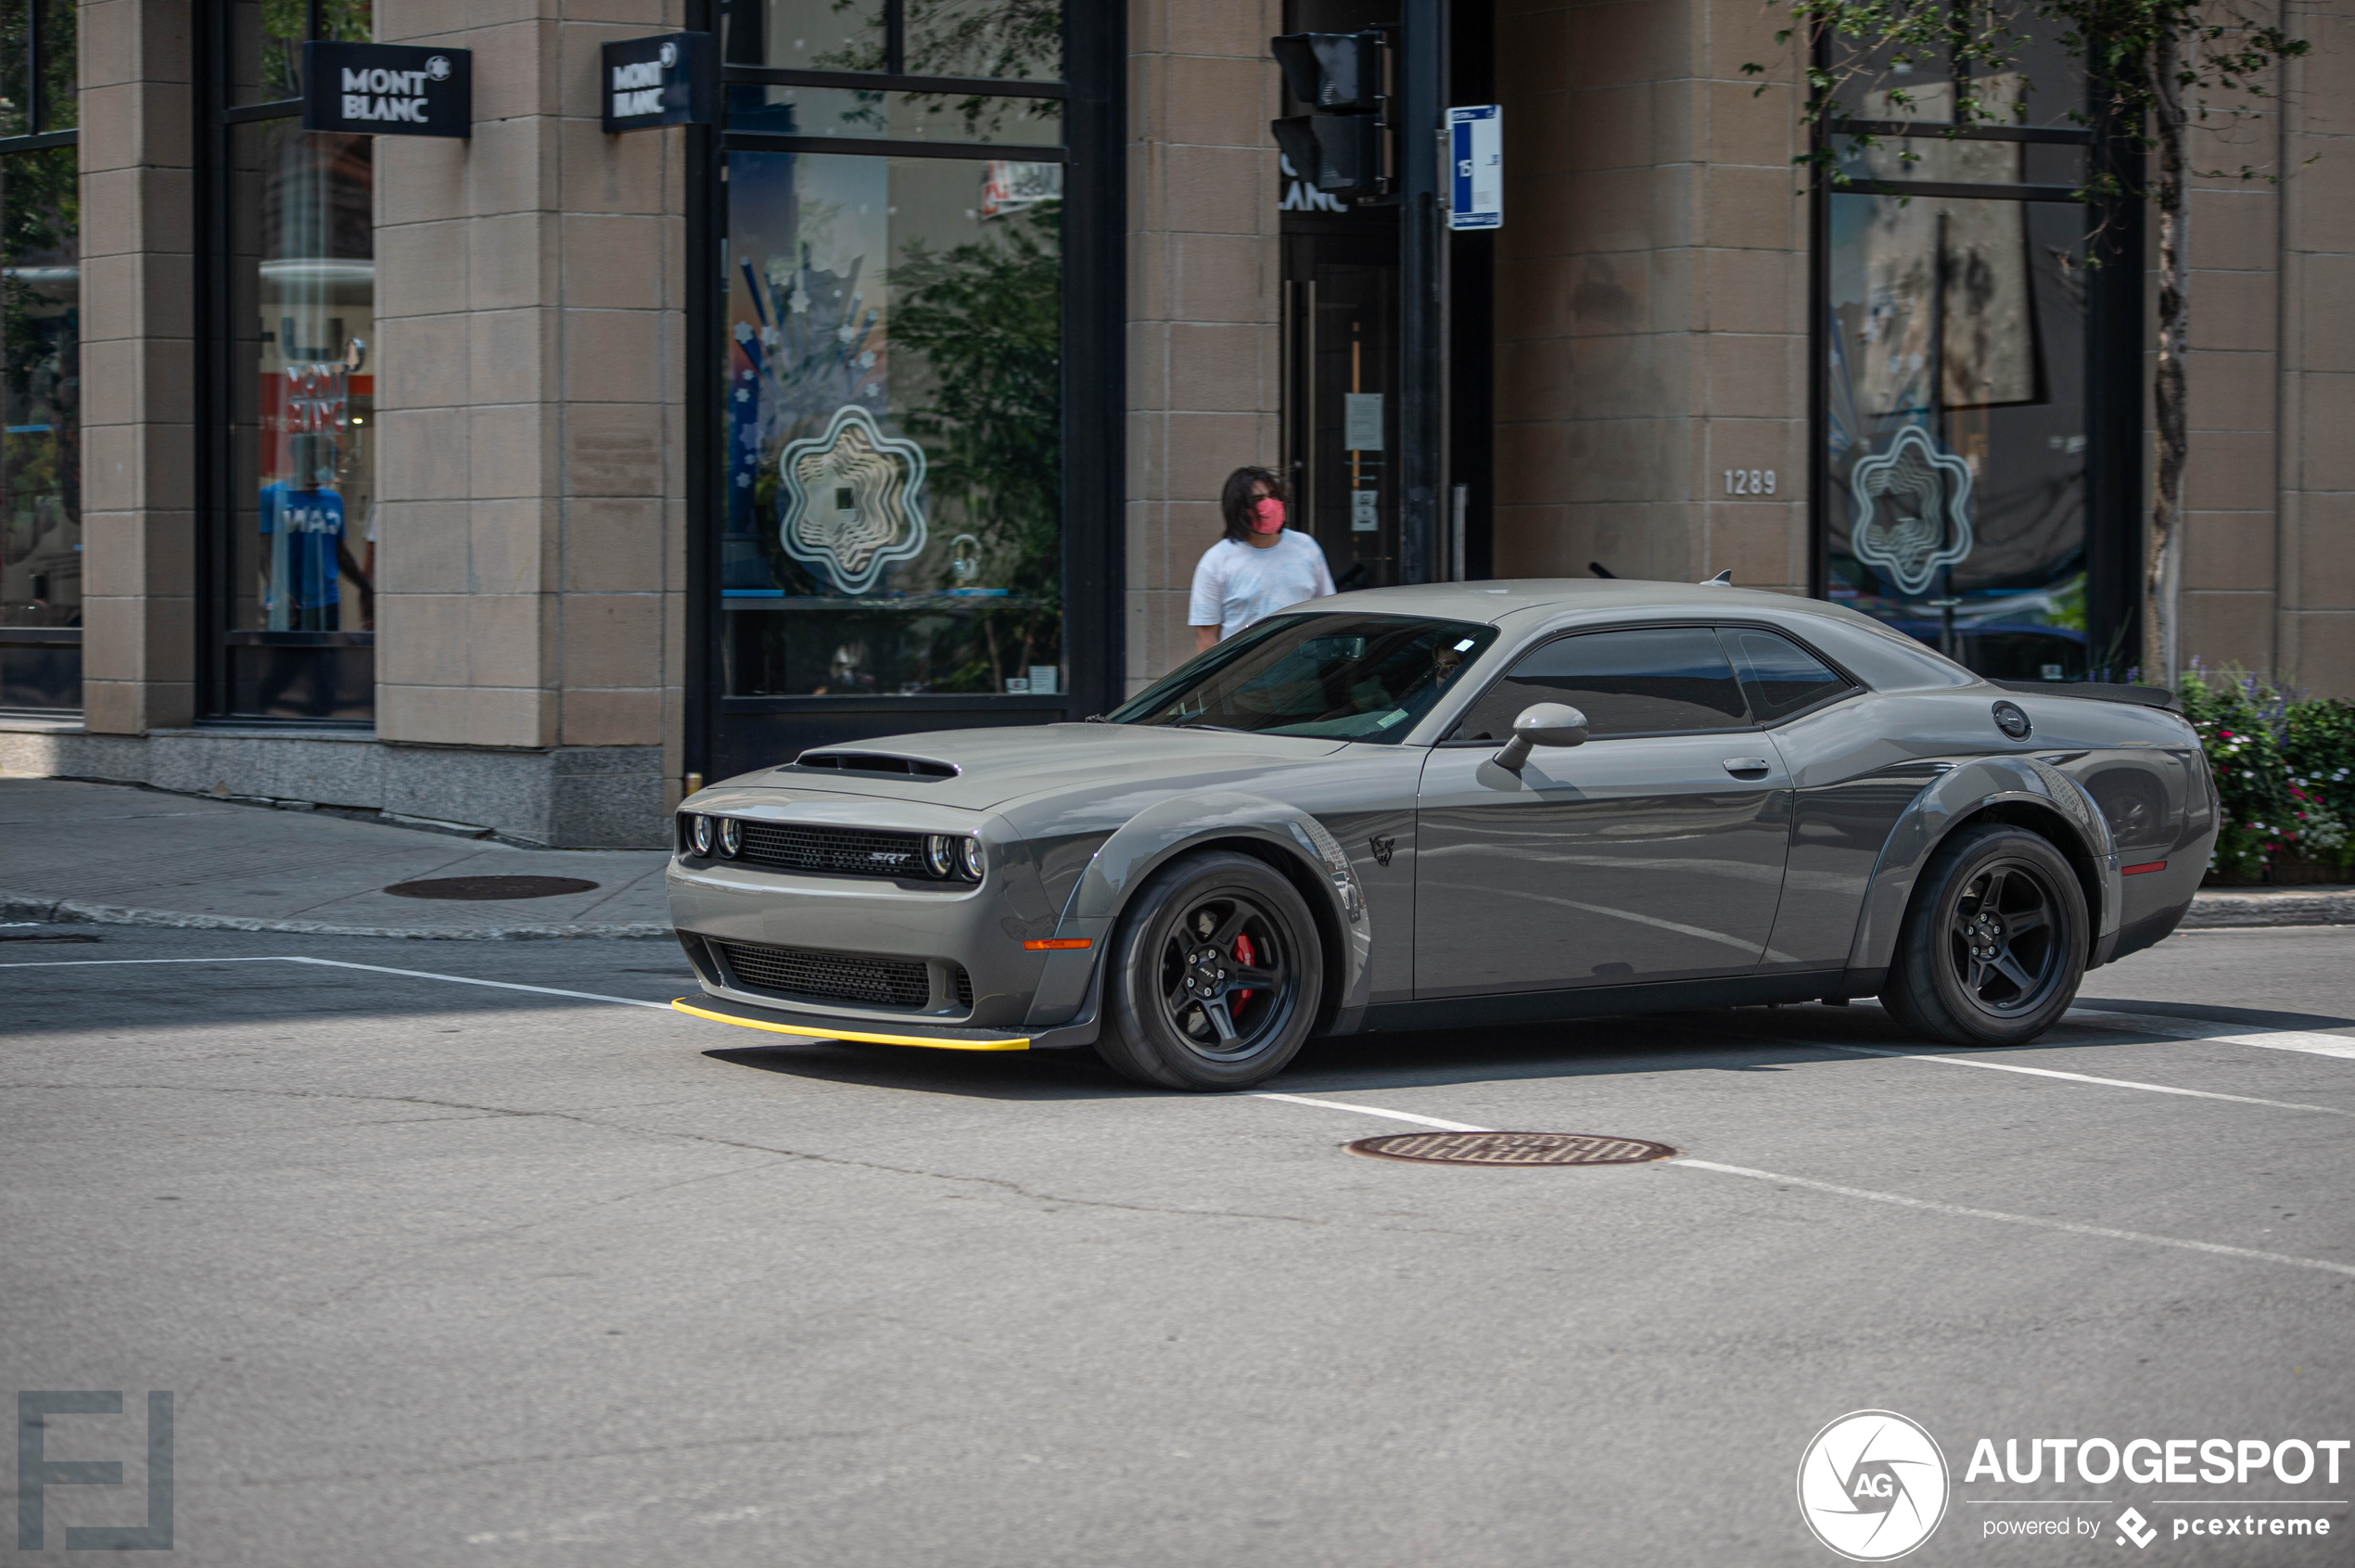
<point x="843" y="851"/>
<point x="879" y="982"/>
<point x="963" y="985"/>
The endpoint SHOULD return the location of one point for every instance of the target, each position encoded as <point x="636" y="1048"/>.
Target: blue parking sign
<point x="1476" y="153"/>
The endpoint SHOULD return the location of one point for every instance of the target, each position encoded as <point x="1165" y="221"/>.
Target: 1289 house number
<point x="1750" y="481"/>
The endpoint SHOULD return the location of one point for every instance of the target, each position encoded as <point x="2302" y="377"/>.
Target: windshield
<point x="1337" y="676"/>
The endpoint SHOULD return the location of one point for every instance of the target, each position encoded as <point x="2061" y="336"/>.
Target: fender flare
<point x="1964" y="790"/>
<point x="1069" y="999"/>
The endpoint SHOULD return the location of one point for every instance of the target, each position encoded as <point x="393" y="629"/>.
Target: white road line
<point x="501" y="985"/>
<point x="94" y="962"/>
<point x="1963" y="1211"/>
<point x="1958" y="1210"/>
<point x="339" y="964"/>
<point x="1932" y="1206"/>
<point x="2076" y="1078"/>
<point x="1373" y="1111"/>
<point x="2175" y="1028"/>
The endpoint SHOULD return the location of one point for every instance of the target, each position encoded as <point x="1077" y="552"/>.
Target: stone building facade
<point x="566" y="613"/>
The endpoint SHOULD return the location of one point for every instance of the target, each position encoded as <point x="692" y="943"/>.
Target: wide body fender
<point x="1964" y="790"/>
<point x="1066" y="1009"/>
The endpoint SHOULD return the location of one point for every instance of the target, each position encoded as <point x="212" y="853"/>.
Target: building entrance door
<point x="1341" y="397"/>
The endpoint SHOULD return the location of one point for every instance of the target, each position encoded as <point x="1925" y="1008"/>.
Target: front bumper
<point x="965" y="940"/>
<point x="814" y="1026"/>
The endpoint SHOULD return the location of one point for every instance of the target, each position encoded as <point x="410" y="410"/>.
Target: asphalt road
<point x="442" y="1273"/>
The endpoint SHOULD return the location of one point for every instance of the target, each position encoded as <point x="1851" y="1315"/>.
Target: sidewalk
<point x="2219" y="907"/>
<point x="119" y="855"/>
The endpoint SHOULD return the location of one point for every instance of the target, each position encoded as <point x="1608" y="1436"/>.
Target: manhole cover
<point x="1511" y="1149"/>
<point x="491" y="888"/>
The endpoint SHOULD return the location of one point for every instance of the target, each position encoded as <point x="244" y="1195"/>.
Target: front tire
<point x="1214" y="976"/>
<point x="1994" y="948"/>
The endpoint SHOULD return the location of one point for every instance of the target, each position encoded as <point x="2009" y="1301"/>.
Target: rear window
<point x="1644" y="681"/>
<point x="1779" y="676"/>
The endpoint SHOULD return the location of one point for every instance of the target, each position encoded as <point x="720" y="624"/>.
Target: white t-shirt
<point x="1237" y="584"/>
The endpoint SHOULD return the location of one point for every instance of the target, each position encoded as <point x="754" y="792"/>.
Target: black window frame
<point x="38" y="138"/>
<point x="720" y="729"/>
<point x="2113" y="345"/>
<point x="217" y="116"/>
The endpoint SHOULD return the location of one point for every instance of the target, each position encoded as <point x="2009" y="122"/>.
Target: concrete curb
<point x="2217" y="910"/>
<point x="72" y="912"/>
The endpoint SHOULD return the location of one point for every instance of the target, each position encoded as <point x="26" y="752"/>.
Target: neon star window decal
<point x="1912" y="509"/>
<point x="852" y="503"/>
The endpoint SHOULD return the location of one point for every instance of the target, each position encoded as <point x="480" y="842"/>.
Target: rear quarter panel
<point x="1881" y="779"/>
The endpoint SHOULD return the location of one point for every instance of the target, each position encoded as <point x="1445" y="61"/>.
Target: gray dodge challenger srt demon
<point x="1466" y="803"/>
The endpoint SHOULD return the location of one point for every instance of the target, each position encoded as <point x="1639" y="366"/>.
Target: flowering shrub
<point x="2285" y="768"/>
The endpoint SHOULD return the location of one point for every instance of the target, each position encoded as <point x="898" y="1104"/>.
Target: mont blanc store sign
<point x="388" y="89"/>
<point x="665" y="79"/>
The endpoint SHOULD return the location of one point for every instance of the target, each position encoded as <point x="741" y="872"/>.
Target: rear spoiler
<point x="2098" y="691"/>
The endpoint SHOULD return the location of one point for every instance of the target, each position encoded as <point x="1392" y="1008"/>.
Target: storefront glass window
<point x="1000" y="40"/>
<point x="1013" y="40"/>
<point x="37" y="81"/>
<point x="806" y="35"/>
<point x="40" y="362"/>
<point x="855" y="114"/>
<point x="266" y="39"/>
<point x="1954" y="427"/>
<point x="300" y="589"/>
<point x="893" y="421"/>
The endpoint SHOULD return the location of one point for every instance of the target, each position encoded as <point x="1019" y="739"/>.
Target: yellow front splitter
<point x="863" y="1035"/>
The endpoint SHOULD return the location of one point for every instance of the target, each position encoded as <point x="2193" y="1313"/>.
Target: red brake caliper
<point x="1245" y="954"/>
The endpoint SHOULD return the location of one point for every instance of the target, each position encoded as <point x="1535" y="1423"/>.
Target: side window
<point x="1778" y="675"/>
<point x="1631" y="682"/>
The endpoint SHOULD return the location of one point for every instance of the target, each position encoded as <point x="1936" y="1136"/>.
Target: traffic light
<point x="1337" y="146"/>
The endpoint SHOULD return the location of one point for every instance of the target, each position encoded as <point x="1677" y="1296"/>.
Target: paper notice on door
<point x="1365" y="511"/>
<point x="1361" y="421"/>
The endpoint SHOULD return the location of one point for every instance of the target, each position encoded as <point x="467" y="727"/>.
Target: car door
<point x="1654" y="851"/>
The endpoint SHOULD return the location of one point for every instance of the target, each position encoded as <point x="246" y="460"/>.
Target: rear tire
<point x="1994" y="947"/>
<point x="1214" y="976"/>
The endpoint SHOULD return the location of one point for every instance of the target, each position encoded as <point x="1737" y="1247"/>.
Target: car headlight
<point x="699" y="834"/>
<point x="732" y="836"/>
<point x="969" y="860"/>
<point x="940" y="856"/>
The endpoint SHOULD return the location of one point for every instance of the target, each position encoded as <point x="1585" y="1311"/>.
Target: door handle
<point x="1738" y="766"/>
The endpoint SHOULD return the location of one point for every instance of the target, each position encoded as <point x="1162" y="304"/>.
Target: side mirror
<point x="1545" y="723"/>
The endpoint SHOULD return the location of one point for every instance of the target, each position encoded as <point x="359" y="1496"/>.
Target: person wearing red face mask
<point x="1261" y="567"/>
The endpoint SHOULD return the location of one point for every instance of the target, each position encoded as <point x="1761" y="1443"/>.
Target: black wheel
<point x="1214" y="976"/>
<point x="1994" y="946"/>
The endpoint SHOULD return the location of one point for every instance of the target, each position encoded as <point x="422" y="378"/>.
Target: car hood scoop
<point x="976" y="770"/>
<point x="874" y="764"/>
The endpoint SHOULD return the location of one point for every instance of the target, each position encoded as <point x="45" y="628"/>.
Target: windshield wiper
<point x="1222" y="729"/>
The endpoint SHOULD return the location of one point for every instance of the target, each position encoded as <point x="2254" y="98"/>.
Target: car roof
<point x="1495" y="600"/>
<point x="1882" y="656"/>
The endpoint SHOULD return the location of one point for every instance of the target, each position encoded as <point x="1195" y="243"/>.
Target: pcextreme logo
<point x="1871" y="1486"/>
